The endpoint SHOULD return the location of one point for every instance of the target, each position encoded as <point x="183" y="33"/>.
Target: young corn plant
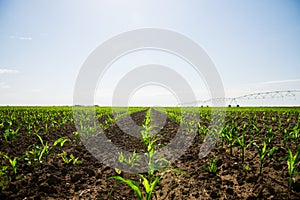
<point x="76" y="135"/>
<point x="131" y="160"/>
<point x="240" y="142"/>
<point x="13" y="163"/>
<point x="148" y="138"/>
<point x="149" y="183"/>
<point x="4" y="178"/>
<point x="270" y="135"/>
<point x="29" y="129"/>
<point x="229" y="136"/>
<point x="109" y="121"/>
<point x="212" y="166"/>
<point x="6" y="133"/>
<point x="264" y="152"/>
<point x="295" y="133"/>
<point x="293" y="162"/>
<point x="32" y="156"/>
<point x="72" y="159"/>
<point x="9" y="132"/>
<point x="202" y="130"/>
<point x="46" y="149"/>
<point x="4" y="173"/>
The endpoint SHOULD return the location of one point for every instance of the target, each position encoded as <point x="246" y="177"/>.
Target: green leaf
<point x="134" y="186"/>
<point x="297" y="155"/>
<point x="273" y="150"/>
<point x="76" y="161"/>
<point x="205" y="168"/>
<point x="41" y="153"/>
<point x="154" y="183"/>
<point x="145" y="184"/>
<point x="118" y="171"/>
<point x="14" y="162"/>
<point x="60" y="141"/>
<point x="40" y="138"/>
<point x="179" y="171"/>
<point x="290" y="154"/>
<point x="264" y="147"/>
<point x="4" y="168"/>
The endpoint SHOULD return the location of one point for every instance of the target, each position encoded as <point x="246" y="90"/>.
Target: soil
<point x="56" y="180"/>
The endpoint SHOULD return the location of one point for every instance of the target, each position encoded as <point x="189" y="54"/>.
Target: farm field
<point x="256" y="155"/>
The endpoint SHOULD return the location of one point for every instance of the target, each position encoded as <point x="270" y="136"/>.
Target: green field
<point x="43" y="154"/>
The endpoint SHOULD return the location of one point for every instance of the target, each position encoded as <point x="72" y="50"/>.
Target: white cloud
<point x="280" y="81"/>
<point x="4" y="85"/>
<point x="8" y="71"/>
<point x="25" y="38"/>
<point x="20" y="37"/>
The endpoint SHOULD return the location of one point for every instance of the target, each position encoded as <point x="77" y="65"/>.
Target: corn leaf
<point x="134" y="186"/>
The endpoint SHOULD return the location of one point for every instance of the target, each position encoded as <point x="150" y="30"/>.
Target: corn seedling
<point x="131" y="160"/>
<point x="240" y="141"/>
<point x="76" y="135"/>
<point x="6" y="133"/>
<point x="295" y="133"/>
<point x="202" y="130"/>
<point x="32" y="156"/>
<point x="212" y="166"/>
<point x="72" y="159"/>
<point x="29" y="129"/>
<point x="109" y="121"/>
<point x="148" y="139"/>
<point x="229" y="136"/>
<point x="46" y="149"/>
<point x="149" y="183"/>
<point x="12" y="162"/>
<point x="263" y="152"/>
<point x="4" y="177"/>
<point x="9" y="132"/>
<point x="293" y="163"/>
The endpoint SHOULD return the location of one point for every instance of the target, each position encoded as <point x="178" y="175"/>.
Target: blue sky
<point x="255" y="45"/>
